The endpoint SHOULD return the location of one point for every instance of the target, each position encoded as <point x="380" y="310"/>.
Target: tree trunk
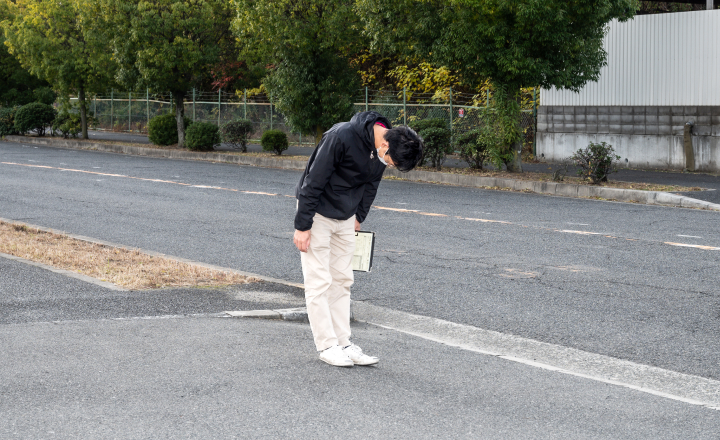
<point x="515" y="166"/>
<point x="83" y="111"/>
<point x="180" y="117"/>
<point x="318" y="134"/>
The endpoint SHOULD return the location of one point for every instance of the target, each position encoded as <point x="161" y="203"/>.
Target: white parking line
<point x="668" y="384"/>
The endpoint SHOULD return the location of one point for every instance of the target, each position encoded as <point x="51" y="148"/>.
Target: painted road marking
<point x="694" y="390"/>
<point x="567" y="231"/>
<point x="401" y="210"/>
<point x="707" y="248"/>
<point x="688" y="236"/>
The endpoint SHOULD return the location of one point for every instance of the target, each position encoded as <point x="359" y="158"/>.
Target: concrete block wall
<point x="647" y="136"/>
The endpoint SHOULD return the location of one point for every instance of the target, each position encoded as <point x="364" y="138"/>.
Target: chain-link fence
<point x="120" y="111"/>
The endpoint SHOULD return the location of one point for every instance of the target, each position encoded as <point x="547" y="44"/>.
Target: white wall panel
<point x="660" y="59"/>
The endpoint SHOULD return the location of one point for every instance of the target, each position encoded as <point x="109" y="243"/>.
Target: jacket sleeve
<point x="367" y="200"/>
<point x="329" y="152"/>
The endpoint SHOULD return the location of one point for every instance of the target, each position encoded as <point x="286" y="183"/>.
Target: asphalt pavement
<point x="161" y="368"/>
<point x="708" y="181"/>
<point x="629" y="281"/>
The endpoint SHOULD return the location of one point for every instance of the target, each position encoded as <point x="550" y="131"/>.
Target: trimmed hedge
<point x="274" y="140"/>
<point x="437" y="145"/>
<point x="236" y="133"/>
<point x="162" y="130"/>
<point x="35" y="116"/>
<point x="202" y="136"/>
<point x="7" y="121"/>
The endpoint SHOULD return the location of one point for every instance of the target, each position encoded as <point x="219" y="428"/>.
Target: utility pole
<point x="710" y="4"/>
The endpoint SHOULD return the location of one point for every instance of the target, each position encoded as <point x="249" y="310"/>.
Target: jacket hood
<point x="363" y="124"/>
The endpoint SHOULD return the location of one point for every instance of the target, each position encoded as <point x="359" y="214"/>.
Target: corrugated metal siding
<point x="662" y="59"/>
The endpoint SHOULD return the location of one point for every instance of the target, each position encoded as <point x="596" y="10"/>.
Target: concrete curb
<point x="298" y="314"/>
<point x="155" y="254"/>
<point x="266" y="162"/>
<point x="547" y="188"/>
<point x="67" y="273"/>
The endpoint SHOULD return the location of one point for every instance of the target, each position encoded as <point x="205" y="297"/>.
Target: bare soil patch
<point x="131" y="269"/>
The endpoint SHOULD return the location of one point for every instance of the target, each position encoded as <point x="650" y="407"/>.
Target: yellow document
<point x="364" y="247"/>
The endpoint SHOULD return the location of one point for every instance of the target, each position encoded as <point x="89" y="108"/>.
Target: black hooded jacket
<point x="343" y="173"/>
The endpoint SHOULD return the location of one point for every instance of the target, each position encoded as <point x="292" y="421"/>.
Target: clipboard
<point x="364" y="250"/>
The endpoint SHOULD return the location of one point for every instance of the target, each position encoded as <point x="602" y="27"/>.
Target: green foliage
<point x="437" y="145"/>
<point x="68" y="124"/>
<point x="44" y="95"/>
<point x="236" y="133"/>
<point x="274" y="140"/>
<point x="309" y="44"/>
<point x="63" y="43"/>
<point x="424" y="124"/>
<point x="35" y="116"/>
<point x="7" y="121"/>
<point x="169" y="45"/>
<point x="16" y="83"/>
<point x="436" y="137"/>
<point x="596" y="162"/>
<point x="472" y="149"/>
<point x="548" y="43"/>
<point x="202" y="136"/>
<point x="163" y="129"/>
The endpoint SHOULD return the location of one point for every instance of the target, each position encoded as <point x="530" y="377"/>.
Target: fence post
<point x="534" y="121"/>
<point x="245" y="104"/>
<point x="366" y="99"/>
<point x="130" y="111"/>
<point x="300" y="141"/>
<point x="147" y="106"/>
<point x="219" y="98"/>
<point x="271" y="113"/>
<point x="193" y="104"/>
<point x="112" y="107"/>
<point x="451" y="110"/>
<point x="95" y="108"/>
<point x="487" y="101"/>
<point x="404" y="106"/>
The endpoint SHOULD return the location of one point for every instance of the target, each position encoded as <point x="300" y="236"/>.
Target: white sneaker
<point x="358" y="357"/>
<point x="336" y="356"/>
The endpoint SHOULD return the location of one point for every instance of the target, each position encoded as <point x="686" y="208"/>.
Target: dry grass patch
<point x="127" y="268"/>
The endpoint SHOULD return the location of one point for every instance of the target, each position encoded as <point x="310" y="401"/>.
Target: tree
<point x="308" y="43"/>
<point x="548" y="43"/>
<point x="62" y="43"/>
<point x="169" y="45"/>
<point x="17" y="85"/>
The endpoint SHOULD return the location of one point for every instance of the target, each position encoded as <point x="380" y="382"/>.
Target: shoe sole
<point x="367" y="364"/>
<point x="337" y="365"/>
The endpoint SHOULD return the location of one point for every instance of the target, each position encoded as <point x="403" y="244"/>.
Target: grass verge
<point x="131" y="269"/>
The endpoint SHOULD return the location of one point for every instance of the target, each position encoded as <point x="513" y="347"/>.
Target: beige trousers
<point x="327" y="269"/>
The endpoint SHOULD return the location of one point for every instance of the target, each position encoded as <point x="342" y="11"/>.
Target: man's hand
<point x="357" y="225"/>
<point x="302" y="240"/>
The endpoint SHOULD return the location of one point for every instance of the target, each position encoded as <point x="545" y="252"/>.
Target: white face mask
<point x="382" y="158"/>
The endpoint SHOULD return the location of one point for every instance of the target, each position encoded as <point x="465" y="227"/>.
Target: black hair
<point x="405" y="147"/>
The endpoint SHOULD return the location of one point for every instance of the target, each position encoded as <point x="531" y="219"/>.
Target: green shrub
<point x="274" y="140"/>
<point x="437" y="145"/>
<point x="68" y="124"/>
<point x="236" y="133"/>
<point x="7" y="121"/>
<point x="202" y="136"/>
<point x="162" y="130"/>
<point x="424" y="124"/>
<point x="35" y="116"/>
<point x="472" y="149"/>
<point x="596" y="162"/>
